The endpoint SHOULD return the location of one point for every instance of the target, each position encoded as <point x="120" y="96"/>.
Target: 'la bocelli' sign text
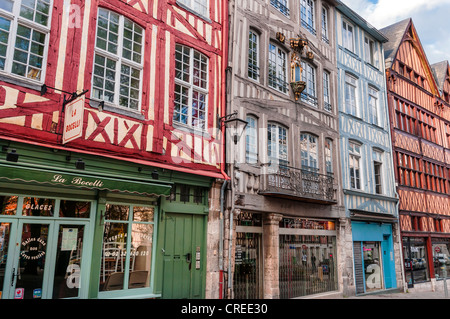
<point x="73" y="122"/>
<point x="76" y="181"/>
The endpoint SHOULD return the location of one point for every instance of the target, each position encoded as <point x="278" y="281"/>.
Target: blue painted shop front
<point x="374" y="260"/>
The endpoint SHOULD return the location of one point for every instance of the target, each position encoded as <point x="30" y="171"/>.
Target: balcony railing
<point x="299" y="184"/>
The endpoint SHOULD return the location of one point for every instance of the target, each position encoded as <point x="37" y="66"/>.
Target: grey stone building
<point x="284" y="202"/>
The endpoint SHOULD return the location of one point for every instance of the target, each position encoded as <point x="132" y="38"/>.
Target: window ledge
<point x="118" y="110"/>
<point x="192" y="130"/>
<point x="29" y="84"/>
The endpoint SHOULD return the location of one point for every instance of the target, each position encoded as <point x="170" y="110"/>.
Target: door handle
<point x="188" y="257"/>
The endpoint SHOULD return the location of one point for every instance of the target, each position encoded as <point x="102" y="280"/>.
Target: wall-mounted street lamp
<point x="234" y="125"/>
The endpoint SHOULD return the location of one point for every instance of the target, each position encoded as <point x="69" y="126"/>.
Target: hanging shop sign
<point x="73" y="121"/>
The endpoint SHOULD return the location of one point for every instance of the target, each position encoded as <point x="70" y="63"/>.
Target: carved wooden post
<point x="271" y="255"/>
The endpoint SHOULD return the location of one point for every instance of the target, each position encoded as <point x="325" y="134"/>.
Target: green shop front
<point x="104" y="229"/>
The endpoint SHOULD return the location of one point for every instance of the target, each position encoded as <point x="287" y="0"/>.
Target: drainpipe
<point x="222" y="195"/>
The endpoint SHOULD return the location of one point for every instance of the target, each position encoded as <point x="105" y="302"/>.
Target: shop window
<point x="307" y="262"/>
<point x="127" y="247"/>
<point x="74" y="209"/>
<point x="8" y="205"/>
<point x="372" y="266"/>
<point x="24" y="32"/>
<point x="441" y="257"/>
<point x="415" y="260"/>
<point x="35" y="206"/>
<point x="66" y="281"/>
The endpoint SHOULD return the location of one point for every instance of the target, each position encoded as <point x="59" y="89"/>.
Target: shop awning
<point x="48" y="176"/>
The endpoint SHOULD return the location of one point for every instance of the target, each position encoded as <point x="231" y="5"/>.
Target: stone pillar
<point x="271" y="241"/>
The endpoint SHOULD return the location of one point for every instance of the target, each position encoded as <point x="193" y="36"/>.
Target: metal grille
<point x="307" y="265"/>
<point x="247" y="272"/>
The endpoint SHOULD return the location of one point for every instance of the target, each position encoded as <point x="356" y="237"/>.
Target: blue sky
<point x="430" y="17"/>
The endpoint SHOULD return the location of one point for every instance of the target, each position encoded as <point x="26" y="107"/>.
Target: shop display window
<point x="74" y="209"/>
<point x="441" y="257"/>
<point x="8" y="205"/>
<point x="307" y="262"/>
<point x="372" y="266"/>
<point x="127" y="247"/>
<point x="415" y="260"/>
<point x="38" y="207"/>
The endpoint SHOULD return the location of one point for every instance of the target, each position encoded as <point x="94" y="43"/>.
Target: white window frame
<point x="348" y="37"/>
<point x="119" y="61"/>
<point x="309" y="152"/>
<point x="307" y="15"/>
<point x="369" y="51"/>
<point x="200" y="7"/>
<point x="15" y="20"/>
<point x="277" y="65"/>
<point x="326" y="92"/>
<point x="328" y="156"/>
<point x="309" y="95"/>
<point x="251" y="140"/>
<point x="378" y="160"/>
<point x="325" y="37"/>
<point x="374" y="117"/>
<point x="355" y="179"/>
<point x="253" y="55"/>
<point x="281" y="5"/>
<point x="201" y="124"/>
<point x="277" y="146"/>
<point x="350" y="94"/>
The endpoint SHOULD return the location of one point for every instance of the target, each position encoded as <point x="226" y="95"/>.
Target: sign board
<point x="73" y="121"/>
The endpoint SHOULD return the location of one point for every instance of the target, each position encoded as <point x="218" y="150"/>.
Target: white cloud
<point x="430" y="17"/>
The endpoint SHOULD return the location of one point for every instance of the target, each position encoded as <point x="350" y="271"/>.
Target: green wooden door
<point x="183" y="256"/>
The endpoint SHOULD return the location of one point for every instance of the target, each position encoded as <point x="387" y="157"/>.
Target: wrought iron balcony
<point x="299" y="184"/>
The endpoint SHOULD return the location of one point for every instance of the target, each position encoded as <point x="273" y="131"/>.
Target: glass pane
<point x="5" y="230"/>
<point x="33" y="206"/>
<point x="372" y="265"/>
<point x="68" y="261"/>
<point x="32" y="259"/>
<point x="8" y="205"/>
<point x="143" y="214"/>
<point x="74" y="209"/>
<point x="113" y="255"/>
<point x="141" y="254"/>
<point x="117" y="212"/>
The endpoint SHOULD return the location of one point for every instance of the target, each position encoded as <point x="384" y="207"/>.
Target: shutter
<point x="359" y="269"/>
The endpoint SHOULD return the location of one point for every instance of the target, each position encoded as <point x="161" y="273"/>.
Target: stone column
<point x="271" y="240"/>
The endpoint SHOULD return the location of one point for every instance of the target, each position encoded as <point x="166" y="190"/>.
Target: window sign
<point x="34" y="206"/>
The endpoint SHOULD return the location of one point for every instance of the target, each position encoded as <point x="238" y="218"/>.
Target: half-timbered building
<point x="374" y="249"/>
<point x="419" y="119"/>
<point x="111" y="154"/>
<point x="283" y="213"/>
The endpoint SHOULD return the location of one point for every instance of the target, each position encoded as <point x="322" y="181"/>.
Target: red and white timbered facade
<point x="152" y="70"/>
